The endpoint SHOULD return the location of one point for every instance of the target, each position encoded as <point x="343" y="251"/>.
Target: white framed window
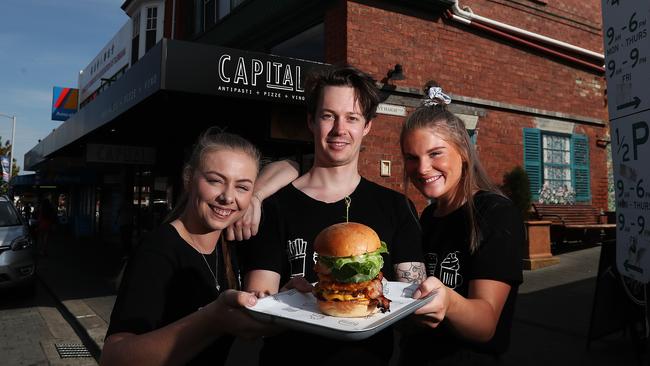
<point x="135" y="39"/>
<point x="556" y="160"/>
<point x="308" y="45"/>
<point x="152" y="25"/>
<point x="136" y="24"/>
<point x="152" y="18"/>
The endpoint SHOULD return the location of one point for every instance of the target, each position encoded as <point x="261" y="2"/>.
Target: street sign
<point x="627" y="49"/>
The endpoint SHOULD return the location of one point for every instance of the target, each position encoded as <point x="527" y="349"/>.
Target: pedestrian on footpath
<point x="46" y="216"/>
<point x="472" y="244"/>
<point x="178" y="302"/>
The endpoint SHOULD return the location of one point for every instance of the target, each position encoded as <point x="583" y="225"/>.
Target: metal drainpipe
<point x="469" y="15"/>
<point x="527" y="43"/>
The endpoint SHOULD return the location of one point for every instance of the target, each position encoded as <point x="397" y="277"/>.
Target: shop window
<point x="152" y="20"/>
<point x="208" y="12"/>
<point x="306" y="45"/>
<point x="557" y="160"/>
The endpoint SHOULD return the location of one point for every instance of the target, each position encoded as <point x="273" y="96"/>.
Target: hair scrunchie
<point x="435" y="96"/>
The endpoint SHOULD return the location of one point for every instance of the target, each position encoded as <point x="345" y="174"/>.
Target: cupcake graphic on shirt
<point x="449" y="271"/>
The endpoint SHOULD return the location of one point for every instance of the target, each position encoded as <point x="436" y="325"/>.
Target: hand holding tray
<point x="299" y="311"/>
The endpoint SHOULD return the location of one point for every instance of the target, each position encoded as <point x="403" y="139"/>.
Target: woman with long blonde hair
<point x="177" y="303"/>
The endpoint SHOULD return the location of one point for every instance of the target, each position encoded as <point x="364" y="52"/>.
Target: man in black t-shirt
<point x="342" y="104"/>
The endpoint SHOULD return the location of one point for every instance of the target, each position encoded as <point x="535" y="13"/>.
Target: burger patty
<point x="371" y="291"/>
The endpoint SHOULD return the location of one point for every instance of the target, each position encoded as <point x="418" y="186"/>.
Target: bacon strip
<point x="384" y="304"/>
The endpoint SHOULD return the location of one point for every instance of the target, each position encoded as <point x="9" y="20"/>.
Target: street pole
<point x="13" y="137"/>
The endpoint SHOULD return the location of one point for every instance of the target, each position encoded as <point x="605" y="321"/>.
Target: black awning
<point x="186" y="67"/>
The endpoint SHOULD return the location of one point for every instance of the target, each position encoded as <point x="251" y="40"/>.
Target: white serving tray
<point x="299" y="311"/>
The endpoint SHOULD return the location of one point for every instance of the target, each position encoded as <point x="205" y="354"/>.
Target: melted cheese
<point x="341" y="297"/>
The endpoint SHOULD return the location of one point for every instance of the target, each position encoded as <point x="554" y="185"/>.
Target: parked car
<point x="17" y="264"/>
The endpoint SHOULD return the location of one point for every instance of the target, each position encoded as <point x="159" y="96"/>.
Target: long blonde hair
<point x="473" y="178"/>
<point x="213" y="139"/>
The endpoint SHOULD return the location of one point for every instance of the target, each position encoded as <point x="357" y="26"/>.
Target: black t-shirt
<point x="165" y="281"/>
<point x="447" y="256"/>
<point x="290" y="222"/>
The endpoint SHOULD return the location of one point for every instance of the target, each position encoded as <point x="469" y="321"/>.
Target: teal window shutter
<point x="580" y="167"/>
<point x="472" y="136"/>
<point x="533" y="160"/>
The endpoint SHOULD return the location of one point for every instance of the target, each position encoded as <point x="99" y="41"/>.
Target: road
<point x="31" y="326"/>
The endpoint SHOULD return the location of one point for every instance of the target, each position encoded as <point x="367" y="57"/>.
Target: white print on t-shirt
<point x="431" y="261"/>
<point x="296" y="252"/>
<point x="449" y="271"/>
<point x="314" y="257"/>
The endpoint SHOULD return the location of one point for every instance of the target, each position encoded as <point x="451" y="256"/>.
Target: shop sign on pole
<point x="5" y="168"/>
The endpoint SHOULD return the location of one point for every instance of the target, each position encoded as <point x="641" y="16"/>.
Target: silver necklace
<point x="216" y="266"/>
<point x="216" y="262"/>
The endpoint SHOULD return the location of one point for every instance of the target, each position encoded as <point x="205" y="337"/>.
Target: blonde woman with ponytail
<point x="178" y="302"/>
<point x="472" y="241"/>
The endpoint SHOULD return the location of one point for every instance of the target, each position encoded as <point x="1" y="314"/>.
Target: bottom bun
<point x="348" y="309"/>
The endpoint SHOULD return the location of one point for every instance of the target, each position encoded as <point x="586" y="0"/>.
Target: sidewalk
<point x="81" y="274"/>
<point x="550" y="327"/>
<point x="553" y="315"/>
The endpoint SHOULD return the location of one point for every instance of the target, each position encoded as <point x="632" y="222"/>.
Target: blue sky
<point x="44" y="43"/>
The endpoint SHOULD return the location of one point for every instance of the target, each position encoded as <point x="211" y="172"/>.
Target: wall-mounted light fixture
<point x="384" y="168"/>
<point x="396" y="73"/>
<point x="108" y="81"/>
<point x="602" y="142"/>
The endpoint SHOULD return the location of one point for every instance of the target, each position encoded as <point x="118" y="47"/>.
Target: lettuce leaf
<point x="358" y="268"/>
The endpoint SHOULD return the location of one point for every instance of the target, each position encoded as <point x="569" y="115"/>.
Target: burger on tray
<point x="349" y="266"/>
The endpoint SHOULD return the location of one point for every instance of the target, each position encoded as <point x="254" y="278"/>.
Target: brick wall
<point x="470" y="63"/>
<point x="577" y="22"/>
<point x="335" y="33"/>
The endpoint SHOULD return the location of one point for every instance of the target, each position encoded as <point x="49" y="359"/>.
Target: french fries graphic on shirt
<point x="296" y="252"/>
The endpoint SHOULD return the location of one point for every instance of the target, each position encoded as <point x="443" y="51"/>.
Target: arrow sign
<point x="629" y="267"/>
<point x="634" y="103"/>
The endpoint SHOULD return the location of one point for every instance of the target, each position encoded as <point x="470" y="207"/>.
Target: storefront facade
<point x="135" y="135"/>
<point x="240" y="65"/>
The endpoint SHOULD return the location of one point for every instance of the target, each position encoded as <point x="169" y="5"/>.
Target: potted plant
<point x="537" y="252"/>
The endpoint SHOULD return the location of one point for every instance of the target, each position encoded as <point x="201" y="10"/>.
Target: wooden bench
<point x="575" y="222"/>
